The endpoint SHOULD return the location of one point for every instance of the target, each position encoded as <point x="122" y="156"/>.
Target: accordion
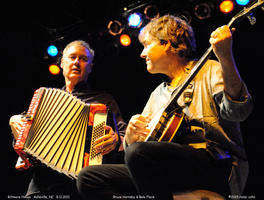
<point x="59" y="131"/>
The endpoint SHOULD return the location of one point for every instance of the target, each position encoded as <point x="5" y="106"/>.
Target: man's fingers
<point x="139" y="121"/>
<point x="101" y="139"/>
<point x="106" y="143"/>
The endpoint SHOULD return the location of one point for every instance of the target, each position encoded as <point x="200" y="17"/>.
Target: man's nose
<point x="77" y="61"/>
<point x="143" y="54"/>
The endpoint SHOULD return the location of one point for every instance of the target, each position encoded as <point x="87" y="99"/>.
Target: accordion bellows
<point x="56" y="129"/>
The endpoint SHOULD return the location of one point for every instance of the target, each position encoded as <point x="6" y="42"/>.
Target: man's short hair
<point x="84" y="44"/>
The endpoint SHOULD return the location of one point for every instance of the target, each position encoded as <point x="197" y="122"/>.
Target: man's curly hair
<point x="173" y="29"/>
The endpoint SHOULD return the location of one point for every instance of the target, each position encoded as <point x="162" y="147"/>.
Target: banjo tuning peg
<point x="252" y="19"/>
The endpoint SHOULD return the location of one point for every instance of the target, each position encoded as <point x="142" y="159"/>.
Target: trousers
<point x="155" y="170"/>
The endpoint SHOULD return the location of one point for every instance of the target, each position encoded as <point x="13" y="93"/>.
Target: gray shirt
<point x="211" y="106"/>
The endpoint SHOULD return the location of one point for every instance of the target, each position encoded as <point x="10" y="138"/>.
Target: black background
<point x="28" y="29"/>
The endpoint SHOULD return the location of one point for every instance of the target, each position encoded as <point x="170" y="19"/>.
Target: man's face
<point x="75" y="63"/>
<point x="155" y="55"/>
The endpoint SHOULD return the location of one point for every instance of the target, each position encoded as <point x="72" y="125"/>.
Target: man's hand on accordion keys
<point x="106" y="143"/>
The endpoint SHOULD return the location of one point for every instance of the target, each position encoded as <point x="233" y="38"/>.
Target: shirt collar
<point x="79" y="87"/>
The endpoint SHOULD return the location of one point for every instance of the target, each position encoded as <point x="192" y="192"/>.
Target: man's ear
<point x="61" y="62"/>
<point x="90" y="68"/>
<point x="168" y="46"/>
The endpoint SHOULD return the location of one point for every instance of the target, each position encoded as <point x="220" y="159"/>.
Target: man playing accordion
<point x="76" y="63"/>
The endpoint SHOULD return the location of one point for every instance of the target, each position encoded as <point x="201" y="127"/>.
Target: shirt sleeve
<point x="234" y="110"/>
<point x="231" y="110"/>
<point x="113" y="106"/>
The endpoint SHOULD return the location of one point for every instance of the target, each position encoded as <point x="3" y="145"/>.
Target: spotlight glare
<point x="151" y="12"/>
<point x="115" y="27"/>
<point x="202" y="11"/>
<point x="52" y="50"/>
<point x="242" y="2"/>
<point x="125" y="40"/>
<point x="226" y="6"/>
<point x="134" y="20"/>
<point x="54" y="69"/>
